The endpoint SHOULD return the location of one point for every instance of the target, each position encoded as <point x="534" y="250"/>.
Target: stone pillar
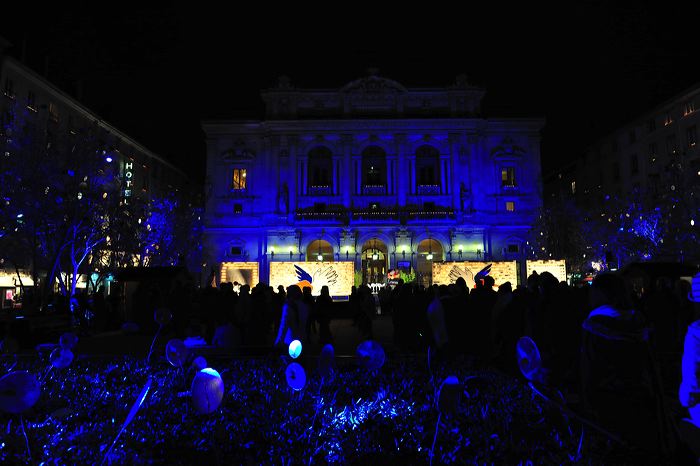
<point x="456" y="172"/>
<point x="347" y="176"/>
<point x="444" y="175"/>
<point x="402" y="168"/>
<point x="292" y="143"/>
<point x="412" y="170"/>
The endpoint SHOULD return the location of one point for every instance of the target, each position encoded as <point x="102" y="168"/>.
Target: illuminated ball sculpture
<point x="61" y="358"/>
<point x="19" y="391"/>
<point x="326" y="360"/>
<point x="529" y="360"/>
<point x="371" y="355"/>
<point x="199" y="363"/>
<point x="295" y="349"/>
<point x="448" y="398"/>
<point x="68" y="340"/>
<point x="176" y="352"/>
<point x="296" y="376"/>
<point x="207" y="391"/>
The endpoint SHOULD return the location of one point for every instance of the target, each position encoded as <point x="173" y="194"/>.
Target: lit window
<point x="668" y="119"/>
<point x="31" y="101"/>
<point x="573" y="187"/>
<point x="671" y="144"/>
<point x="691" y="135"/>
<point x="688" y="108"/>
<point x="510" y="206"/>
<point x="508" y="177"/>
<point x="53" y="112"/>
<point x="9" y="90"/>
<point x="239" y="179"/>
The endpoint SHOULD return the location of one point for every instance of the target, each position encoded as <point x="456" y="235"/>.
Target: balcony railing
<point x="346" y="215"/>
<point x="428" y="189"/>
<point x="374" y="190"/>
<point x="319" y="191"/>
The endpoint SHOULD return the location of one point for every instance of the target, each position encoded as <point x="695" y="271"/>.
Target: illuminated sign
<point x="245" y="273"/>
<point x="446" y="273"/>
<point x="555" y="267"/>
<point x="128" y="180"/>
<point x="338" y="276"/>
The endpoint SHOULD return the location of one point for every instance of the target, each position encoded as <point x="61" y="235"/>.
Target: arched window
<point x="374" y="170"/>
<point x="427" y="170"/>
<point x="320" y="175"/>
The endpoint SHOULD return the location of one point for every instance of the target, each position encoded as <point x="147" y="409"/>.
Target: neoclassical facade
<point x="374" y="173"/>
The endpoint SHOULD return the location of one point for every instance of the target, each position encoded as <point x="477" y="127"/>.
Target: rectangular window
<point x="238" y="180"/>
<point x="671" y="144"/>
<point x="237" y="208"/>
<point x="691" y="135"/>
<point x="668" y="119"/>
<point x="513" y="248"/>
<point x="573" y="187"/>
<point x="688" y="108"/>
<point x="508" y="177"/>
<point x="236" y="250"/>
<point x="31" y="101"/>
<point x="633" y="136"/>
<point x="510" y="206"/>
<point x="653" y="152"/>
<point x="53" y="112"/>
<point x="9" y="89"/>
<point x="651" y="125"/>
<point x="634" y="164"/>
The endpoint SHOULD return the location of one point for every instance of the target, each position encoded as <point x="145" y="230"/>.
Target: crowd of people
<point x="619" y="348"/>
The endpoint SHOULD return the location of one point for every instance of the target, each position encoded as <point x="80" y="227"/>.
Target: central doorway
<point x="374" y="261"/>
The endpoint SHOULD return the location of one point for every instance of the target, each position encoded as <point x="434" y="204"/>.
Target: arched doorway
<point x="429" y="251"/>
<point x="374" y="261"/>
<point x="319" y="251"/>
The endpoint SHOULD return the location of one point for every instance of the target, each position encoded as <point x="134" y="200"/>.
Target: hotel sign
<point x="128" y="180"/>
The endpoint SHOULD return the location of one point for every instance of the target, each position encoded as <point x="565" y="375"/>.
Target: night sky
<point x="155" y="73"/>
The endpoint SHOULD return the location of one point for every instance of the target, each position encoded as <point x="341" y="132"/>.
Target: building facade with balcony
<point x="375" y="173"/>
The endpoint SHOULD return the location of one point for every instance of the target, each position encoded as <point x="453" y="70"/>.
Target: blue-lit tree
<point x="59" y="194"/>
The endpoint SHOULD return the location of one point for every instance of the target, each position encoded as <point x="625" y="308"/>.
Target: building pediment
<point x="373" y="85"/>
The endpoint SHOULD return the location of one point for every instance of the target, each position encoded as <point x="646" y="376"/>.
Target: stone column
<point x="402" y="167"/>
<point x="456" y="172"/>
<point x="347" y="175"/>
<point x="292" y="142"/>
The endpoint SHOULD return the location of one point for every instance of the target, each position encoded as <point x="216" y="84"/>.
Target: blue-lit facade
<point x="375" y="173"/>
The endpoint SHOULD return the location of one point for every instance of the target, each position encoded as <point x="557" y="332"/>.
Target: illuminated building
<point x="373" y="173"/>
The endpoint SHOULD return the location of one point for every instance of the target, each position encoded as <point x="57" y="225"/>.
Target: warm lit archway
<point x="319" y="250"/>
<point x="429" y="250"/>
<point x="374" y="261"/>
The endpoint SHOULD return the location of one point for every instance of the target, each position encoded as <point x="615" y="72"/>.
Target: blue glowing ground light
<point x="379" y="417"/>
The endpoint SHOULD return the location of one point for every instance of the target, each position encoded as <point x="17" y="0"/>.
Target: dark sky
<point x="156" y="72"/>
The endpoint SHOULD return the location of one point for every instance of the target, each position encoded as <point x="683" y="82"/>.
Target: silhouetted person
<point x="324" y="308"/>
<point x="619" y="379"/>
<point x="294" y="316"/>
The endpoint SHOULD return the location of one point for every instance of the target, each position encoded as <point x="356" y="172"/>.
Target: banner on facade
<point x="243" y="273"/>
<point x="555" y="267"/>
<point x="338" y="276"/>
<point x="445" y="273"/>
